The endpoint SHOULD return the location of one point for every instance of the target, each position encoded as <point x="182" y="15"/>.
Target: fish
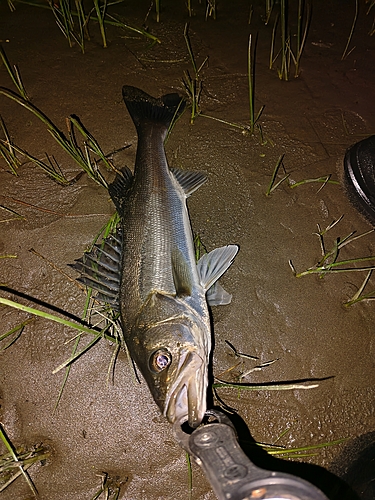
<point x="358" y="177"/>
<point x="148" y="270"/>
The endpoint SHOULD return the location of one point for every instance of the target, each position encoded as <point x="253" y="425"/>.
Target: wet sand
<point x="300" y="322"/>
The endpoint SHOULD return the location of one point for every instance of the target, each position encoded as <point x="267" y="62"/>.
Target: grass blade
<point x="279" y="386"/>
<point x="357" y="296"/>
<point x="346" y="53"/>
<point x="101" y="13"/>
<point x="8" y="445"/>
<point x="70" y="145"/>
<point x="326" y="179"/>
<point x="330" y="268"/>
<point x="18" y="330"/>
<point x="14" y="74"/>
<point x="271" y="186"/>
<point x="77" y="355"/>
<point x="57" y="319"/>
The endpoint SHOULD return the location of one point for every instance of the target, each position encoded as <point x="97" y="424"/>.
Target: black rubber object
<point x="359" y="177"/>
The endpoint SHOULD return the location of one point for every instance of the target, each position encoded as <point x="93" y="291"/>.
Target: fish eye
<point x="160" y="360"/>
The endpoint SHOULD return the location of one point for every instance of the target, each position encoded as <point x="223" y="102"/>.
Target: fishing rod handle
<point x="215" y="448"/>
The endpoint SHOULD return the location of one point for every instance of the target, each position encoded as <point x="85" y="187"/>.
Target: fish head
<point x="176" y="370"/>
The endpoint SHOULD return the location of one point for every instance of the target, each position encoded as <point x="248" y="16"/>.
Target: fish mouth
<point x="186" y="398"/>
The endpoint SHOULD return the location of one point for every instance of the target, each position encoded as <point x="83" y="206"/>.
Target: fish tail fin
<point x="144" y="108"/>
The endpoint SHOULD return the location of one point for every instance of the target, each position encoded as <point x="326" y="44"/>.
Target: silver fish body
<point x="162" y="292"/>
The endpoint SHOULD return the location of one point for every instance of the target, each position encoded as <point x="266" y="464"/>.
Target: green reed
<point x="109" y="488"/>
<point x="254" y="117"/>
<point x="292" y="46"/>
<point x="359" y="296"/>
<point x="14" y="74"/>
<point x="193" y="83"/>
<point x="81" y="155"/>
<point x="324" y="179"/>
<point x="15" y="462"/>
<point x="329" y="262"/>
<point x="269" y="4"/>
<point x="14" y="334"/>
<point x="346" y="51"/>
<point x="74" y="24"/>
<point x="8" y="150"/>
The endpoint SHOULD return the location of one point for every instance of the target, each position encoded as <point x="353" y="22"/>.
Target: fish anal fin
<point x="212" y="265"/>
<point x="188" y="180"/>
<point x="217" y="296"/>
<point x="181" y="274"/>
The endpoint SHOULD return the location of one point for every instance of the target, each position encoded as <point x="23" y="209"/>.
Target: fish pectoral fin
<point x="188" y="180"/>
<point x="182" y="277"/>
<point x="119" y="186"/>
<point x="214" y="264"/>
<point x="217" y="296"/>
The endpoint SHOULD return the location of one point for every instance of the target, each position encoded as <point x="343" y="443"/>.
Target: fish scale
<point x="164" y="229"/>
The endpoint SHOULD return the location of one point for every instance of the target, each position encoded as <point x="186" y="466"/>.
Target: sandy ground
<point x="98" y="427"/>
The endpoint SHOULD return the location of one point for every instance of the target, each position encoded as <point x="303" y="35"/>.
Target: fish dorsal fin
<point x="188" y="180"/>
<point x="181" y="274"/>
<point x="100" y="269"/>
<point x="119" y="186"/>
<point x="214" y="264"/>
